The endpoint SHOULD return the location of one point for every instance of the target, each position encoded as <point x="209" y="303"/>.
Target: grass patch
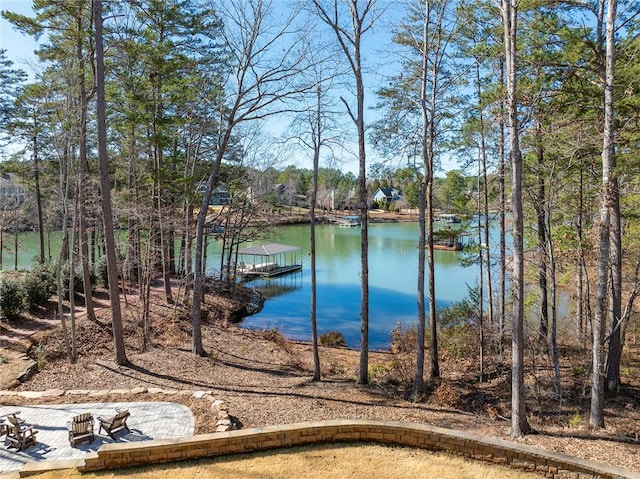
<point x="355" y="461"/>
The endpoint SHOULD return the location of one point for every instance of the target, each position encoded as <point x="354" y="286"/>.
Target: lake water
<point x="393" y="275"/>
<point x="393" y="272"/>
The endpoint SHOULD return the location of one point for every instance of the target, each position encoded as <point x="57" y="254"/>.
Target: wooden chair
<point x="80" y="429"/>
<point x="20" y="435"/>
<point x="113" y="424"/>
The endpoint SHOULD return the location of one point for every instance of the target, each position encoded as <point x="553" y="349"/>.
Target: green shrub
<point x="78" y="284"/>
<point x="100" y="269"/>
<point x="380" y="371"/>
<point x="459" y="341"/>
<point x="332" y="339"/>
<point x="39" y="285"/>
<point x="11" y="298"/>
<point x="404" y="339"/>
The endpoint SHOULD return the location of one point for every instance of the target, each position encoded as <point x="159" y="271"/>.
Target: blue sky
<point x="19" y="48"/>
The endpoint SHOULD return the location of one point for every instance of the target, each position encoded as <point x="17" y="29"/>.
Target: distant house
<point x="220" y="196"/>
<point x="386" y="195"/>
<point x="282" y="193"/>
<point x="11" y="191"/>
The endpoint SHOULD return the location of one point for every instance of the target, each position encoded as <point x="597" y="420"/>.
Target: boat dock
<point x="268" y="260"/>
<point x="351" y="220"/>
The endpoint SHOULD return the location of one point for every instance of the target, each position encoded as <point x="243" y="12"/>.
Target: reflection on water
<point x="278" y="286"/>
<point x="393" y="274"/>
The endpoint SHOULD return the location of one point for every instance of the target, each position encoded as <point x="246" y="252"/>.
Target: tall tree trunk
<point x="503" y="222"/>
<point x="608" y="229"/>
<point x="105" y="190"/>
<point x="607" y="201"/>
<point x="198" y="277"/>
<point x="519" y="424"/>
<point x="72" y="271"/>
<point x="433" y="317"/>
<point x="131" y="269"/>
<point x="482" y="173"/>
<point x="554" y="309"/>
<point x="312" y="216"/>
<point x="614" y="352"/>
<point x="84" y="175"/>
<point x="350" y="38"/>
<point x="64" y="249"/>
<point x="481" y="273"/>
<point x="36" y="179"/>
<point x="581" y="260"/>
<point x="541" y="211"/>
<point x="425" y="239"/>
<point x="363" y="375"/>
<point x="158" y="156"/>
<point x="422" y="242"/>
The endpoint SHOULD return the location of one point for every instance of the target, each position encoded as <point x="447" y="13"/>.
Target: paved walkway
<point x="148" y="420"/>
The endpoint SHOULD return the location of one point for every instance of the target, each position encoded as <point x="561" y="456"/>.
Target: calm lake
<point x="393" y="275"/>
<point x="393" y="272"/>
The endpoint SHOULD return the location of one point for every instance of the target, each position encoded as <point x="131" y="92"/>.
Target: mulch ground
<point x="266" y="380"/>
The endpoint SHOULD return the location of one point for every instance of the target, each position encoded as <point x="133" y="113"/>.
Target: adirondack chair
<point x="113" y="424"/>
<point x="5" y="425"/>
<point x="19" y="435"/>
<point x="80" y="429"/>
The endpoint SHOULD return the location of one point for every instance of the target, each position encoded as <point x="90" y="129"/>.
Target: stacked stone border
<point x="223" y="423"/>
<point x="546" y="463"/>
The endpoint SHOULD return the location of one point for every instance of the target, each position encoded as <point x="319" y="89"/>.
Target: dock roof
<point x="268" y="249"/>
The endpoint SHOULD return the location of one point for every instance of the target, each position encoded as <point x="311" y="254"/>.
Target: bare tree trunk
<point x="554" y="308"/>
<point x="581" y="261"/>
<point x="429" y="172"/>
<point x="253" y="91"/>
<point x="36" y="179"/>
<point x="64" y="250"/>
<point x="72" y="272"/>
<point x="132" y="266"/>
<point x="482" y="173"/>
<point x="422" y="242"/>
<point x="607" y="234"/>
<point x="481" y="272"/>
<point x="503" y="224"/>
<point x="541" y="211"/>
<point x="425" y="240"/>
<point x="317" y="142"/>
<point x="198" y="287"/>
<point x="350" y="43"/>
<point x="614" y="353"/>
<point x="433" y="317"/>
<point x="84" y="176"/>
<point x="519" y="424"/>
<point x="105" y="190"/>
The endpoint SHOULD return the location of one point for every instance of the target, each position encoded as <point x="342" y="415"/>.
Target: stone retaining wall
<point x="546" y="463"/>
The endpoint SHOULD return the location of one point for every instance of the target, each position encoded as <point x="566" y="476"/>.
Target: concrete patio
<point x="148" y="420"/>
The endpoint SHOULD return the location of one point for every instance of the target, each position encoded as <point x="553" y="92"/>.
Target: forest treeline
<point x="139" y="114"/>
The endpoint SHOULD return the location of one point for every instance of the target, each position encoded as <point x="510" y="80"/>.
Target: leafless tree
<point x="349" y="27"/>
<point x="263" y="67"/>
